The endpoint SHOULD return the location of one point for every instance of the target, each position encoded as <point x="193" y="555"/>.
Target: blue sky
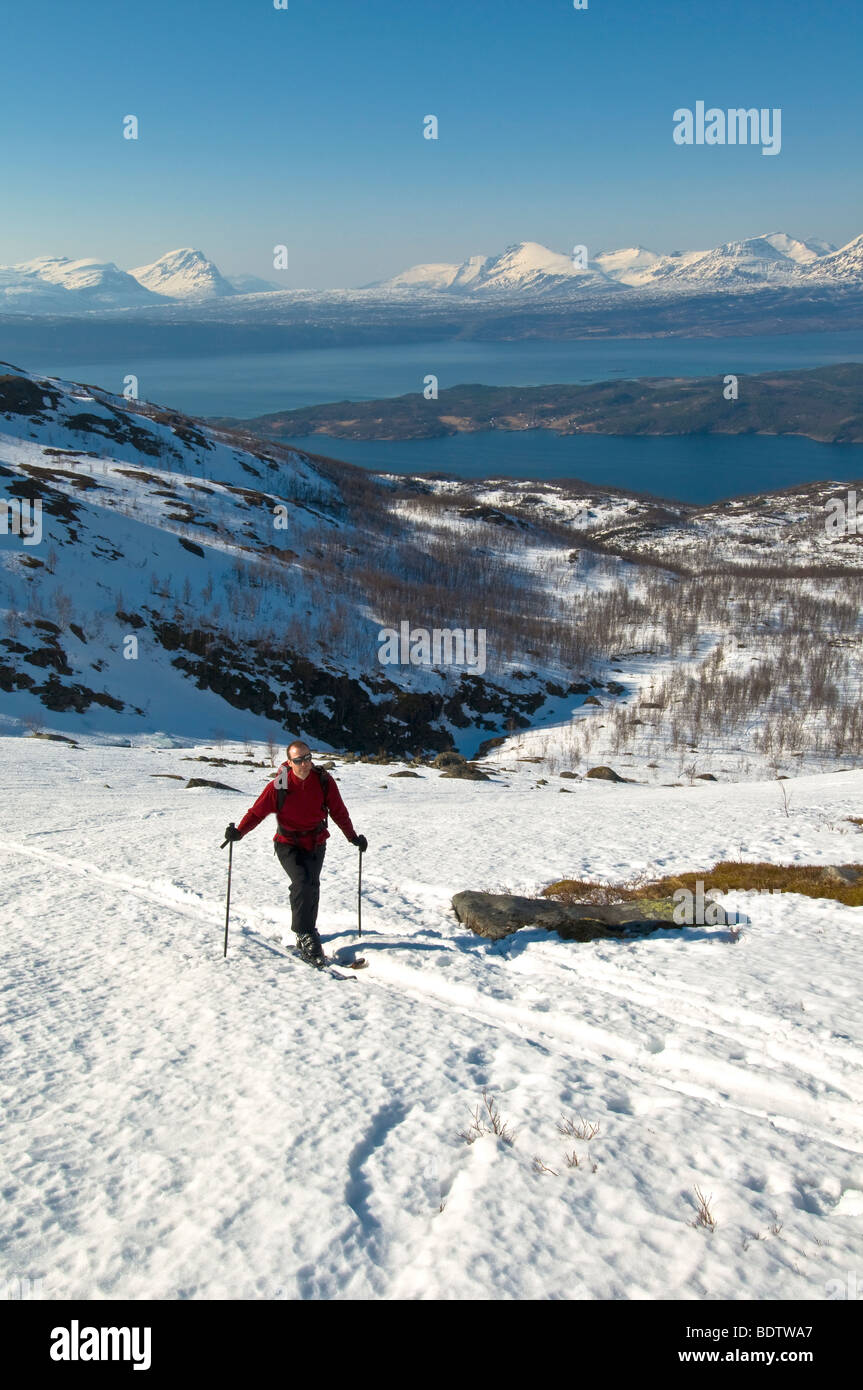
<point x="304" y="127"/>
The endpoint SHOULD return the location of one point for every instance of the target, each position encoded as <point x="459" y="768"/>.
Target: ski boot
<point x="310" y="950"/>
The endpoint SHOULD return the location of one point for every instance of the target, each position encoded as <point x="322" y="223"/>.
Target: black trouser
<point x="303" y="867"/>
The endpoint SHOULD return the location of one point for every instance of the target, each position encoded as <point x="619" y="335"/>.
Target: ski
<point x="329" y="967"/>
<point x="338" y="974"/>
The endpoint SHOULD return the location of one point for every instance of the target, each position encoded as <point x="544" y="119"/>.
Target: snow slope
<point x="178" y="1126"/>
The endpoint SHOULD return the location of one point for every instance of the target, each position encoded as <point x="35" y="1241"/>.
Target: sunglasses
<point x="306" y="758"/>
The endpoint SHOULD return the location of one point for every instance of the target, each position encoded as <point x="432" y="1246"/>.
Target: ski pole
<point x="360" y="898"/>
<point x="230" y="845"/>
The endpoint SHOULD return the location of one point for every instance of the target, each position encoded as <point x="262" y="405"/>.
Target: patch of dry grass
<point x="844" y="885"/>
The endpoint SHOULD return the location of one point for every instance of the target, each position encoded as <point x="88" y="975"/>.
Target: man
<point x="301" y="796"/>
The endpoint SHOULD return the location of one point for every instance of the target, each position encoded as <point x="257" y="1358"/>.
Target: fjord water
<point x="685" y="468"/>
<point x="692" y="468"/>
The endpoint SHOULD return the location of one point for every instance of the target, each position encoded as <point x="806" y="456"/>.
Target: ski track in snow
<point x="176" y="1125"/>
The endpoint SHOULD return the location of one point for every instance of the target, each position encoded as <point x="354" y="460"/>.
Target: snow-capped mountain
<point x="529" y="268"/>
<point x="252" y="284"/>
<point x="50" y="284"/>
<point x="184" y="274"/>
<point x="755" y="260"/>
<point x="627" y="265"/>
<point x="525" y="266"/>
<point x="804" y="251"/>
<point x="844" y="266"/>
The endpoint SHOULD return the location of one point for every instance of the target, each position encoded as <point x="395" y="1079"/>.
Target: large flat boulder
<point x="496" y="915"/>
<point x="466" y="772"/>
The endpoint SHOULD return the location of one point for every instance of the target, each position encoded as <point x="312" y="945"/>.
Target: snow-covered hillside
<point x="224" y="564"/>
<point x="181" y="1126"/>
<point x="188" y="581"/>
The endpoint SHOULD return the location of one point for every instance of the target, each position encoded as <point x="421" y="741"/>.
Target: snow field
<point x="176" y="1125"/>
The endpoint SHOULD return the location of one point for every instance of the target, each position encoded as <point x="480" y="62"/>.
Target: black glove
<point x="232" y="833"/>
<point x="361" y="842"/>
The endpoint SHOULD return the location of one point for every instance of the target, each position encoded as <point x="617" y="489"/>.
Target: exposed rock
<point x="406" y="773"/>
<point x="705" y="777"/>
<point x="572" y="775"/>
<point x="488" y="744"/>
<point x="842" y="873"/>
<point x="605" y="774"/>
<point x="204" y="782"/>
<point x="496" y="915"/>
<point x="466" y="772"/>
<point x="592" y="700"/>
<point x="490" y="514"/>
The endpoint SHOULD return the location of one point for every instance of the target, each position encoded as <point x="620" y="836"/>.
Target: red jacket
<point x="302" y="813"/>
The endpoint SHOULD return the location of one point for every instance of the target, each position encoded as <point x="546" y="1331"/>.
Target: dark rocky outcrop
<point x="605" y="774"/>
<point x="496" y="915"/>
<point x="205" y="782"/>
<point x="466" y="772"/>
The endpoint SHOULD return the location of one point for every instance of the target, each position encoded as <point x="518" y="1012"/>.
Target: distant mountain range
<point x="526" y="267"/>
<point x="523" y="272"/>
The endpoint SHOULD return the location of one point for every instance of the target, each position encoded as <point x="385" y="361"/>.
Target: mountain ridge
<point x="525" y="272"/>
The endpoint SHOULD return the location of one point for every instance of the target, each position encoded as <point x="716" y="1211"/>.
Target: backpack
<point x="282" y="788"/>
